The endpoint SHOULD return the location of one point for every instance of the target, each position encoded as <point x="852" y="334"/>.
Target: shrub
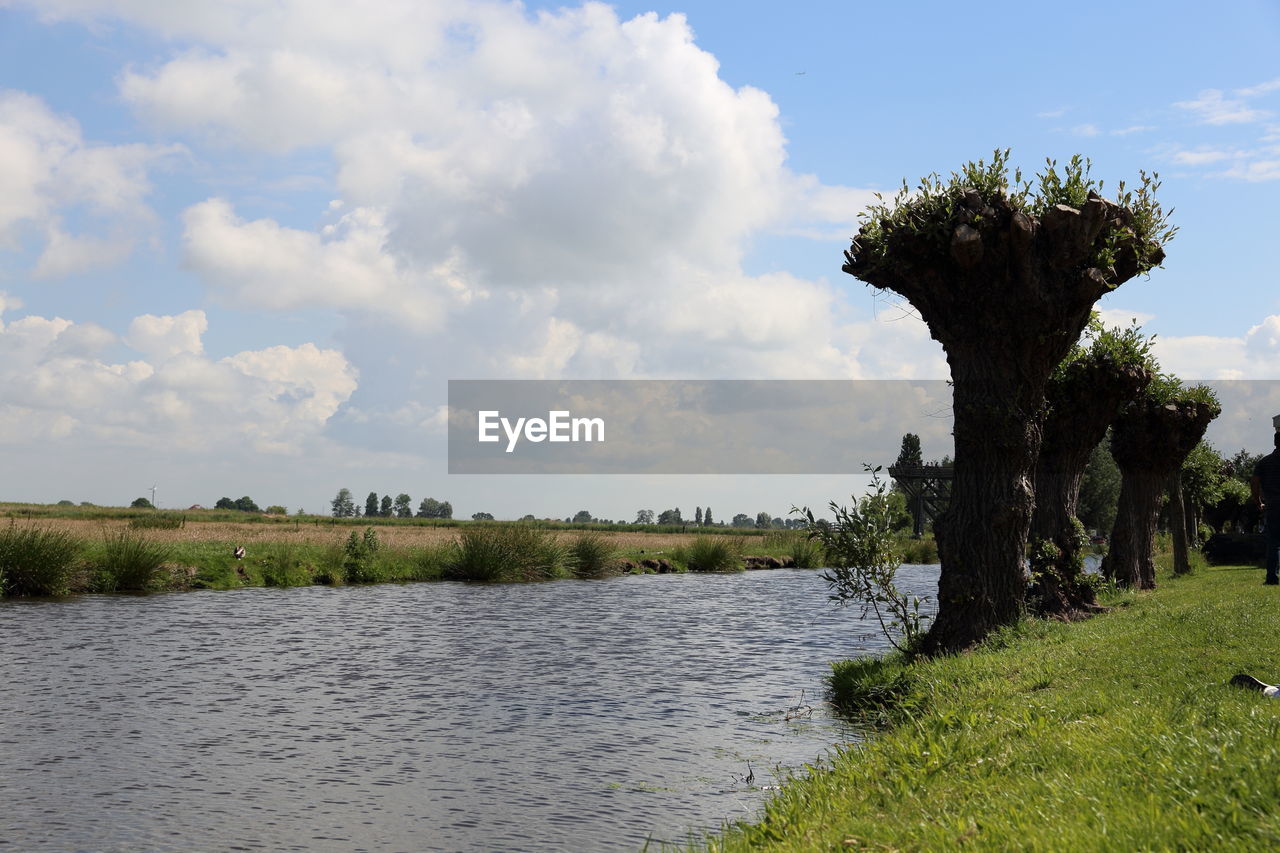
<point x="919" y="552"/>
<point x="282" y="567"/>
<point x="592" y="556"/>
<point x="35" y="561"/>
<point x="506" y="552"/>
<point x="359" y="564"/>
<point x="130" y="562"/>
<point x="710" y="554"/>
<point x="864" y="555"/>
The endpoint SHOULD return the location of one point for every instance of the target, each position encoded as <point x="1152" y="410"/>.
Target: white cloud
<point x="164" y="337"/>
<point x="1200" y="157"/>
<point x="1085" y="130"/>
<point x="1253" y="355"/>
<point x="53" y="382"/>
<point x="49" y="172"/>
<point x="1260" y="89"/>
<point x="1211" y="107"/>
<point x="1123" y="318"/>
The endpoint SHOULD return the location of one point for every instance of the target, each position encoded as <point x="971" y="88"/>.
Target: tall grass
<point x="506" y="552"/>
<point x="705" y="554"/>
<point x="806" y="553"/>
<point x="919" y="552"/>
<point x="37" y="561"/>
<point x="282" y="565"/>
<point x="130" y="561"/>
<point x="158" y="522"/>
<point x="592" y="556"/>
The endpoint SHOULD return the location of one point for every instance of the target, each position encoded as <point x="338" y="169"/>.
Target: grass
<point x="37" y="560"/>
<point x="919" y="552"/>
<point x="507" y="552"/>
<point x="705" y="554"/>
<point x="592" y="556"/>
<point x="1117" y="733"/>
<point x="129" y="561"/>
<point x="157" y="522"/>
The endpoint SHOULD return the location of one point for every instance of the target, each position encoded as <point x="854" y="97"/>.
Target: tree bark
<point x="1178" y="525"/>
<point x="1083" y="399"/>
<point x="1150" y="441"/>
<point x="981" y="538"/>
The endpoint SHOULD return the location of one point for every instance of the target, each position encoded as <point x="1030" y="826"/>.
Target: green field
<point x="1118" y="733"/>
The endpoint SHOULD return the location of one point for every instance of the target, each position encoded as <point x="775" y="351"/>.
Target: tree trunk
<point x="1129" y="561"/>
<point x="1178" y="525"/>
<point x="981" y="536"/>
<point x="1150" y="441"/>
<point x="1083" y="399"/>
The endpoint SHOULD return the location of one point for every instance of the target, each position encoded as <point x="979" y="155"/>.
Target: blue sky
<point x="243" y="245"/>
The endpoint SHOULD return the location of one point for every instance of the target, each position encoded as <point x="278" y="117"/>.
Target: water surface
<point x="556" y="716"/>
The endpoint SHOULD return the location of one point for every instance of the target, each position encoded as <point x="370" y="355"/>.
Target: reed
<point x="705" y="554"/>
<point x="130" y="561"/>
<point x="37" y="560"/>
<point x="506" y="552"/>
<point x="592" y="556"/>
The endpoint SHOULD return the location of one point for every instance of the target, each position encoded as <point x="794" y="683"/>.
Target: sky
<point x="244" y="245"/>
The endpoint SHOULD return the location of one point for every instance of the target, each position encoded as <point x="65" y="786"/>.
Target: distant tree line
<point x="401" y="506"/>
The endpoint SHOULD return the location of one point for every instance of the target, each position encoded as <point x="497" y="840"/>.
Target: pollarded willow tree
<point x="1005" y="276"/>
<point x="1084" y="395"/>
<point x="1150" y="440"/>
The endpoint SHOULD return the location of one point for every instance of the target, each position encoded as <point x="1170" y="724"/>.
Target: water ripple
<point x="567" y="715"/>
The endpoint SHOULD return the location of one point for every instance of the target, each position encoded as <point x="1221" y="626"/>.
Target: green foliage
<point x="871" y="687"/>
<point x="506" y="552"/>
<point x="592" y="555"/>
<point x="343" y="505"/>
<point x="910" y="455"/>
<point x="1203" y="480"/>
<point x="402" y="506"/>
<point x="932" y="209"/>
<point x="582" y="516"/>
<point x="281" y="565"/>
<point x="157" y="522"/>
<point x="130" y="561"/>
<point x="710" y="554"/>
<point x="806" y="553"/>
<point x="864" y="557"/>
<point x="276" y="509"/>
<point x="918" y="552"/>
<point x="141" y="503"/>
<point x="1099" y="490"/>
<point x="359" y="558"/>
<point x="36" y="561"/>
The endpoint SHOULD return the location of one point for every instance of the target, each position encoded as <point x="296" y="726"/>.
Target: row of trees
<point x="1006" y="273"/>
<point x="344" y="506"/>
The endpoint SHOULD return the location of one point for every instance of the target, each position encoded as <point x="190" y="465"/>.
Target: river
<point x="572" y="715"/>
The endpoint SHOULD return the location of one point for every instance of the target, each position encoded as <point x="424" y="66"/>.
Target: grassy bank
<point x="1119" y="733"/>
<point x="59" y="555"/>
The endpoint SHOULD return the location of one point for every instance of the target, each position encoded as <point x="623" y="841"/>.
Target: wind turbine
<point x="153" y="496"/>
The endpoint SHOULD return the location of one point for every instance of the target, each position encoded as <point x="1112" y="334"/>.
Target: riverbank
<point x="1119" y="733"/>
<point x="64" y="554"/>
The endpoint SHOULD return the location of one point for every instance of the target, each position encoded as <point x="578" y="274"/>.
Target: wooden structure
<point x="928" y="490"/>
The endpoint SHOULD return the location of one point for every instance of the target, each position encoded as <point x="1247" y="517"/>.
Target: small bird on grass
<point x="239" y="552"/>
<point x="1250" y="683"/>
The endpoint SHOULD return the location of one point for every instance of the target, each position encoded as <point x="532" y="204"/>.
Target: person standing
<point x="1265" y="486"/>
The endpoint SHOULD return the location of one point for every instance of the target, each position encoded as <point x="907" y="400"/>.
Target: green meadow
<point x="1116" y="733"/>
